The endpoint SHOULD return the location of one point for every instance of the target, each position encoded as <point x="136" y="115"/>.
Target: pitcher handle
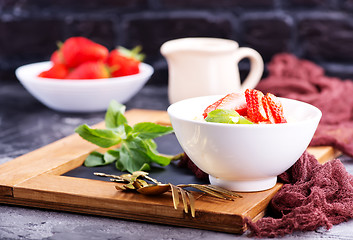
<point x="256" y="66"/>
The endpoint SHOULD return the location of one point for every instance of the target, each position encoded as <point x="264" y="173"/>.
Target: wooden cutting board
<point x="35" y="179"/>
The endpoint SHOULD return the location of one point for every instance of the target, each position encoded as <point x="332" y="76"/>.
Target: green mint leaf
<point x="118" y="164"/>
<point x="111" y="156"/>
<point x="94" y="159"/>
<point x="114" y="117"/>
<point x="151" y="144"/>
<point x="128" y="130"/>
<point x="154" y="155"/>
<point x="102" y="137"/>
<point x="243" y="120"/>
<point x="133" y="155"/>
<point x="148" y="130"/>
<point x="138" y="149"/>
<point x="223" y="116"/>
<point x="145" y="167"/>
<point x="158" y="158"/>
<point x="137" y="154"/>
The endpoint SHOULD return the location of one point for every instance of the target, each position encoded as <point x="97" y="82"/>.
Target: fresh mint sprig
<point x="226" y="116"/>
<point x="137" y="149"/>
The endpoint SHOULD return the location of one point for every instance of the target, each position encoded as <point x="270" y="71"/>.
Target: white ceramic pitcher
<point x="208" y="66"/>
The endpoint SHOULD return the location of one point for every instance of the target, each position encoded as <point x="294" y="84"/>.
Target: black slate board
<point x="169" y="174"/>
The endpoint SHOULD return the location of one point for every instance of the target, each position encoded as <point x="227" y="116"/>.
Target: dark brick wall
<point x="319" y="30"/>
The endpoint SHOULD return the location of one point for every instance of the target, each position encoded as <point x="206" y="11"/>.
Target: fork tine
<point x="210" y="191"/>
<point x="175" y="195"/>
<point x="224" y="191"/>
<point x="227" y="195"/>
<point x="215" y="191"/>
<point x="192" y="203"/>
<point x="183" y="198"/>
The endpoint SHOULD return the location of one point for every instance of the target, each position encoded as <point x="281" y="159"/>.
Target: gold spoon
<point x="154" y="189"/>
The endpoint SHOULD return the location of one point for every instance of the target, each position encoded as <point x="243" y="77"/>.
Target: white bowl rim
<point x="318" y="115"/>
<point x="145" y="71"/>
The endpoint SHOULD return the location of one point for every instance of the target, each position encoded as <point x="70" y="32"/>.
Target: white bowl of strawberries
<point x="244" y="140"/>
<point x="83" y="76"/>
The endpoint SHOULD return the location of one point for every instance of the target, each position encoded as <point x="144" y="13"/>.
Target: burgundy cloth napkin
<point x="305" y="81"/>
<point x="313" y="195"/>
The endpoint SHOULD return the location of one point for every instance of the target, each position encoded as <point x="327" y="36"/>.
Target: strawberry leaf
<point x="133" y="53"/>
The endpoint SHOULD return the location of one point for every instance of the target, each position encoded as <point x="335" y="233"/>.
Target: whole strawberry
<point x="77" y="50"/>
<point x="90" y="70"/>
<point x="124" y="62"/>
<point x="57" y="57"/>
<point x="58" y="71"/>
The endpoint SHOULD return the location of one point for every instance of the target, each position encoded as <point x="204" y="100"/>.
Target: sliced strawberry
<point x="268" y="110"/>
<point x="58" y="71"/>
<point x="232" y="101"/>
<point x="255" y="108"/>
<point x="212" y="107"/>
<point x="276" y="108"/>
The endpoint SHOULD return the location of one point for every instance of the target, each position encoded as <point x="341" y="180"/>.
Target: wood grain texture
<point x="34" y="180"/>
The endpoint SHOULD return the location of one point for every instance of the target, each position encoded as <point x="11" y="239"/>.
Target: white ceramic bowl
<point x="80" y="95"/>
<point x="243" y="157"/>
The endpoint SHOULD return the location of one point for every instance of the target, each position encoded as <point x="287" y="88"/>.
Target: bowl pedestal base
<point x="245" y="186"/>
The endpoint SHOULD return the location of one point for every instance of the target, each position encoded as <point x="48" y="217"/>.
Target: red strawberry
<point x="268" y="110"/>
<point x="212" y="107"/>
<point x="56" y="71"/>
<point x="232" y="101"/>
<point x="77" y="50"/>
<point x="57" y="57"/>
<point x="275" y="108"/>
<point x="256" y="111"/>
<point x="90" y="70"/>
<point x="124" y="62"/>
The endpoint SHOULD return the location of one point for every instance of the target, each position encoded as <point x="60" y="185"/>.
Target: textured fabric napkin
<point x="313" y="195"/>
<point x="305" y="81"/>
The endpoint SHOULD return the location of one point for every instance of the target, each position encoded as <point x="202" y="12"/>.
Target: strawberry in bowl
<point x="244" y="140"/>
<point x="124" y="62"/>
<point x="251" y="106"/>
<point x="81" y="58"/>
<point x="83" y="76"/>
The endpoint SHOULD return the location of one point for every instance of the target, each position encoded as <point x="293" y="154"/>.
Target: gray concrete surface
<point x="25" y="125"/>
